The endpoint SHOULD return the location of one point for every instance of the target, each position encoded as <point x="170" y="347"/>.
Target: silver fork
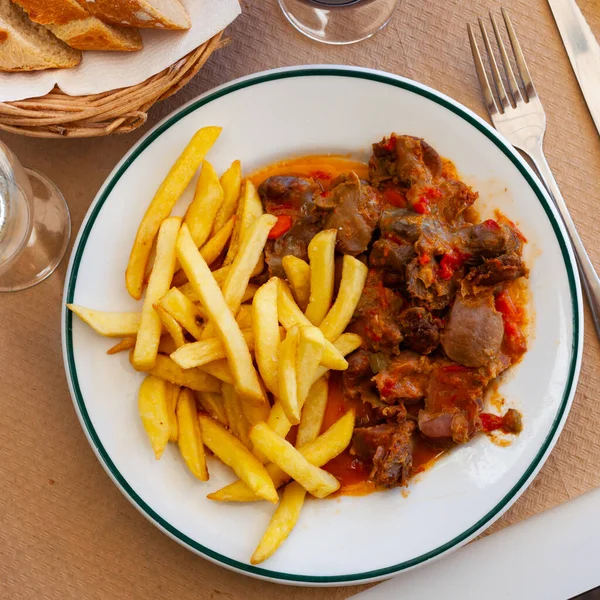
<point x="521" y="119"/>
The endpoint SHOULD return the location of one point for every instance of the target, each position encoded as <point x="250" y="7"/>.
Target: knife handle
<point x="588" y="275"/>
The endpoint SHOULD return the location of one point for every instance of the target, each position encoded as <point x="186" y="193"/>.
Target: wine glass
<point x="338" y="21"/>
<point x="35" y="225"/>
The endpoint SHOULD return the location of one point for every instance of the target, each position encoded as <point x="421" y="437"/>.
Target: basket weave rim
<point x="59" y="115"/>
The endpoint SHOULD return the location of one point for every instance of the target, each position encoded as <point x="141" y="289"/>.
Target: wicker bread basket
<point x="57" y="115"/>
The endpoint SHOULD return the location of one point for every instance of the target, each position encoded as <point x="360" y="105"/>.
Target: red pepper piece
<point x="395" y="198"/>
<point x="491" y="422"/>
<point x="422" y="206"/>
<point x="283" y="225"/>
<point x="424" y="259"/>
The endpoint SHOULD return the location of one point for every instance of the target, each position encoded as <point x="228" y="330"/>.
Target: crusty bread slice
<point x="71" y="23"/>
<point x="26" y="46"/>
<point x="148" y="14"/>
<point x="93" y="34"/>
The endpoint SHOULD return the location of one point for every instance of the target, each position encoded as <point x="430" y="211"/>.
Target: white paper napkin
<point x="103" y="71"/>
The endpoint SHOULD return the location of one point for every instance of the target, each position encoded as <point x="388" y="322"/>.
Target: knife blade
<point x="583" y="51"/>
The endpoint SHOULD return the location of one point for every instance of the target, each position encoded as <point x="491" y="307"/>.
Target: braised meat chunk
<point x="442" y="311"/>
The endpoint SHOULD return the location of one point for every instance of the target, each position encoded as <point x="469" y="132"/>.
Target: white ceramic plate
<point x="294" y="112"/>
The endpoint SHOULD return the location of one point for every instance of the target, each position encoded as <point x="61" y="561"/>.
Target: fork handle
<point x="589" y="277"/>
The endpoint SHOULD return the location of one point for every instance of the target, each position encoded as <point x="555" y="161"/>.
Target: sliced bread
<point x="148" y="14"/>
<point x="26" y="46"/>
<point x="71" y="23"/>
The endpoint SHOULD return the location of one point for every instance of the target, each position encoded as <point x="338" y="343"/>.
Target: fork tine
<point x="486" y="90"/>
<point x="495" y="72"/>
<point x="519" y="57"/>
<point x="512" y="82"/>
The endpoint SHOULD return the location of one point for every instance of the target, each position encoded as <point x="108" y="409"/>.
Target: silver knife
<point x="583" y="51"/>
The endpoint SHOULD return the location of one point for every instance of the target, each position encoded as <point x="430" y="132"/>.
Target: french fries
<point x="182" y="310"/>
<point x="231" y="182"/>
<point x="319" y="452"/>
<point x="238" y="423"/>
<point x="108" y="324"/>
<point x="125" y="344"/>
<point x="261" y="360"/>
<point x="152" y="406"/>
<point x="190" y="437"/>
<point x="287" y="377"/>
<point x="205" y="286"/>
<point x="282" y="522"/>
<point x="298" y="273"/>
<point x="148" y="335"/>
<point x="266" y="333"/>
<point x="171" y="324"/>
<point x="205" y="351"/>
<point x="314" y="480"/>
<point x="277" y="420"/>
<point x="321" y="251"/>
<point x="354" y="275"/>
<point x="172" y="398"/>
<point x="249" y="209"/>
<point x="168" y="193"/>
<point x="289" y="314"/>
<point x="345" y="344"/>
<point x="235" y="455"/>
<point x="313" y="412"/>
<point x="243" y="265"/>
<point x="201" y="213"/>
<point x="195" y="379"/>
<point x="311" y="345"/>
<point x="213" y="405"/>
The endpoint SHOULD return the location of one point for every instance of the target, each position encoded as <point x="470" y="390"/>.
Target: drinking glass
<point x="338" y="21"/>
<point x="35" y="225"/>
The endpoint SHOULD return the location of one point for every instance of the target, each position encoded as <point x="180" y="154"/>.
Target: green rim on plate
<point x="380" y="77"/>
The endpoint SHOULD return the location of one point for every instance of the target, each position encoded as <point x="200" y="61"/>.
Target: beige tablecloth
<point x="67" y="532"/>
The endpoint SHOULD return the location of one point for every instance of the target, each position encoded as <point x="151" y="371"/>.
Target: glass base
<point x="50" y="234"/>
<point x="338" y="25"/>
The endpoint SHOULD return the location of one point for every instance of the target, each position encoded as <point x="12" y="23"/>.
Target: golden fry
<point x="249" y="209"/>
<point x="313" y="412"/>
<point x="314" y="480"/>
<point x="219" y="369"/>
<point x="321" y="254"/>
<point x="241" y="269"/>
<point x="354" y="275"/>
<point x="148" y="335"/>
<point x="277" y="420"/>
<point x="171" y="324"/>
<point x="195" y="379"/>
<point x="311" y="345"/>
<point x="238" y="424"/>
<point x="108" y="324"/>
<point x="231" y="182"/>
<point x="244" y="317"/>
<point x="246" y="378"/>
<point x="152" y="406"/>
<point x="289" y="314"/>
<point x="287" y="377"/>
<point x="164" y="200"/>
<point x="282" y="522"/>
<point x="298" y="273"/>
<point x="166" y="345"/>
<point x="213" y="248"/>
<point x="205" y="351"/>
<point x="172" y="398"/>
<point x="190" y="436"/>
<point x="125" y="344"/>
<point x="345" y="344"/>
<point x="256" y="414"/>
<point x="183" y="310"/>
<point x="213" y="405"/>
<point x="235" y="455"/>
<point x="201" y="212"/>
<point x="266" y="333"/>
<point x="319" y="452"/>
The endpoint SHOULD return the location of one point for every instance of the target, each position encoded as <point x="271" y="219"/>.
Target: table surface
<point x="67" y="532"/>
